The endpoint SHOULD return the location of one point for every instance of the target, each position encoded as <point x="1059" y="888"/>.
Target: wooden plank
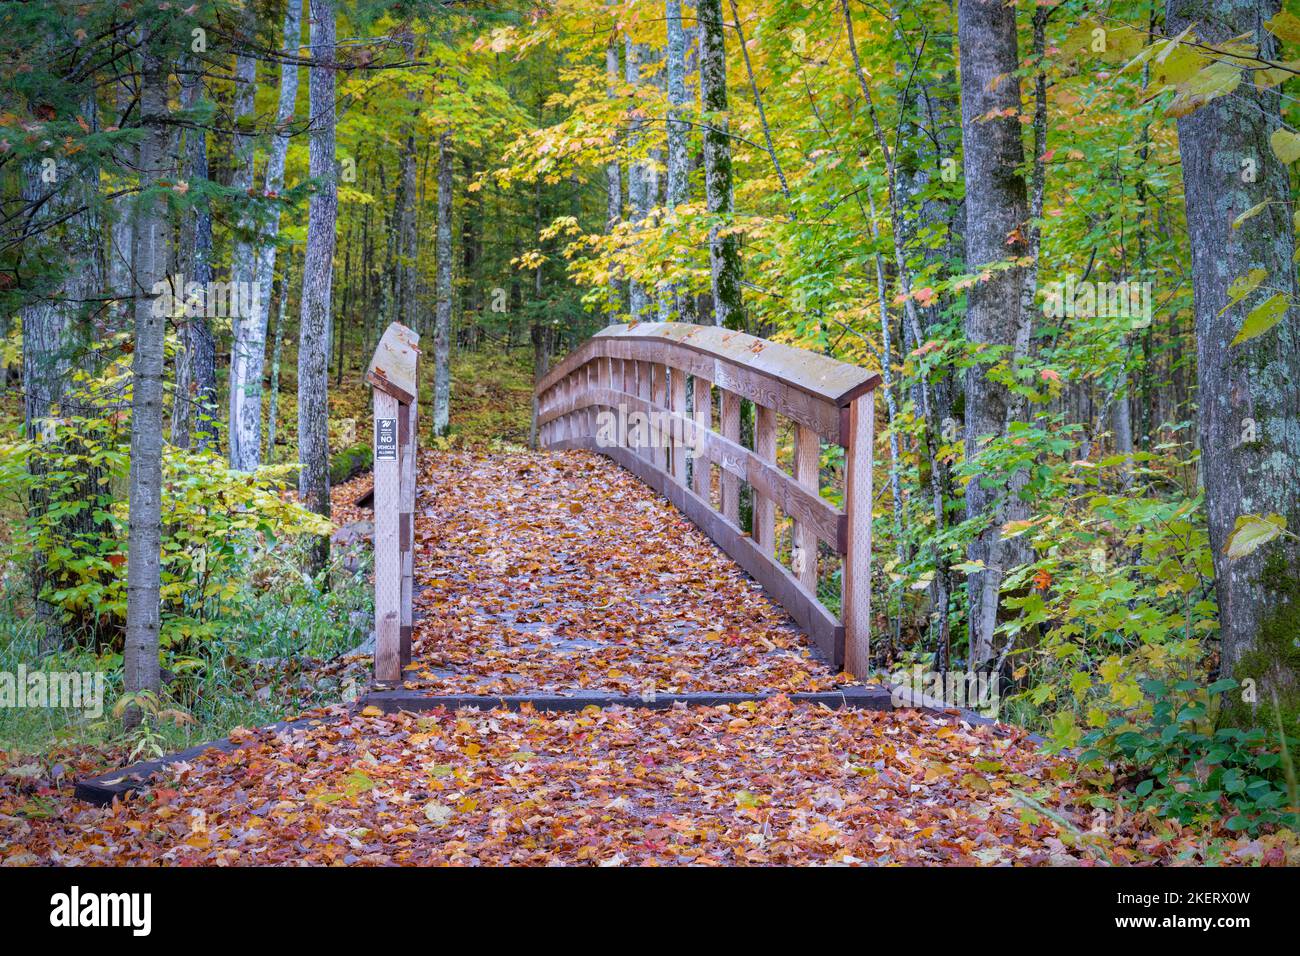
<point x="678" y="405"/>
<point x="103" y="788"/>
<point x="825" y="521"/>
<point x="730" y="415"/>
<point x="388" y="558"/>
<point x="807" y="472"/>
<point x="702" y="478"/>
<point x="407" y="461"/>
<point x="392" y="367"/>
<point x="823" y="630"/>
<point x="857" y="562"/>
<point x="764" y="505"/>
<point x="869" y="697"/>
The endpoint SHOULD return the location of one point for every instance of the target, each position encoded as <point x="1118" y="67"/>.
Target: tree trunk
<point x="317" y="277"/>
<point x="637" y="186"/>
<point x="613" y="187"/>
<point x="724" y="252"/>
<point x="245" y="393"/>
<point x="277" y="346"/>
<point x="144" y="540"/>
<point x="407" y="312"/>
<point x="248" y="425"/>
<point x="1249" y="394"/>
<point x="995" y="222"/>
<point x="678" y="160"/>
<point x="194" y="410"/>
<point x="57" y="331"/>
<point x="442" y="313"/>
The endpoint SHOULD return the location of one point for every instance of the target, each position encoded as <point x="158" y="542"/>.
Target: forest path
<point x="561" y="573"/>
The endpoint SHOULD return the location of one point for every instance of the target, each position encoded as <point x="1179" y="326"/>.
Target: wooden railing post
<point x="765" y="507"/>
<point x="393" y="376"/>
<point x="856" y="579"/>
<point x="702" y="477"/>
<point x="730" y="414"/>
<point x="807" y="471"/>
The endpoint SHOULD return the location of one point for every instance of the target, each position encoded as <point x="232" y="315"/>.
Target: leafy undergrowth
<point x="564" y="573"/>
<point x="757" y="784"/>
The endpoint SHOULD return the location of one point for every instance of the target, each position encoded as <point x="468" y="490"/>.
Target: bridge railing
<point x="644" y="395"/>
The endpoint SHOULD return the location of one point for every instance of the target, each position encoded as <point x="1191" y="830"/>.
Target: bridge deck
<point x="564" y="575"/>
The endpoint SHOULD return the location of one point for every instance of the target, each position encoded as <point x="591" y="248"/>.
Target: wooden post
<point x="857" y="560"/>
<point x="764" y="507"/>
<point x="730" y="414"/>
<point x="392" y="375"/>
<point x="408" y="440"/>
<point x="388" y="557"/>
<point x="703" y="471"/>
<point x="807" y="471"/>
<point x="679" y="407"/>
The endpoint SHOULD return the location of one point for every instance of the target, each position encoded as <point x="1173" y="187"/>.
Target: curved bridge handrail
<point x="661" y="374"/>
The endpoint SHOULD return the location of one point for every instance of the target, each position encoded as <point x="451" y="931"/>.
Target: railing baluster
<point x="807" y="471"/>
<point x="856" y="579"/>
<point x="678" y="405"/>
<point x="730" y="483"/>
<point x="703" y="476"/>
<point x="764" y="507"/>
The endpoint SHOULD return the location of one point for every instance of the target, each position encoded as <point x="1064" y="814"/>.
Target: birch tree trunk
<point x="996" y="216"/>
<point x="724" y="253"/>
<point x="144" y="537"/>
<point x="246" y="377"/>
<point x="1249" y="394"/>
<point x="678" y="160"/>
<point x="317" y="278"/>
<point x="442" y="311"/>
<point x="613" y="186"/>
<point x="637" y="187"/>
<point x="245" y="394"/>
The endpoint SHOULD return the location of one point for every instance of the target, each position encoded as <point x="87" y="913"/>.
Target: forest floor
<point x="560" y="572"/>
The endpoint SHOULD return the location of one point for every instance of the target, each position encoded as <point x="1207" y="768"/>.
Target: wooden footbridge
<point x="666" y="402"/>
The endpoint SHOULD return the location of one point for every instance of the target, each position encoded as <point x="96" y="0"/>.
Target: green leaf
<point x="1286" y="145"/>
<point x="1262" y="318"/>
<point x="1251" y="531"/>
<point x="1250" y="213"/>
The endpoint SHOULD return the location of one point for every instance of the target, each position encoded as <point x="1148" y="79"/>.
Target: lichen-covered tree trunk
<point x="724" y="252"/>
<point x="442" y="307"/>
<point x="678" y="161"/>
<point x="996" y="215"/>
<point x="245" y="394"/>
<point x="1248" y="394"/>
<point x="144" y="536"/>
<point x="317" y="280"/>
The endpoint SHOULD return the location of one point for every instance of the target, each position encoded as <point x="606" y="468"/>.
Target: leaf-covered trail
<point x="562" y="573"/>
